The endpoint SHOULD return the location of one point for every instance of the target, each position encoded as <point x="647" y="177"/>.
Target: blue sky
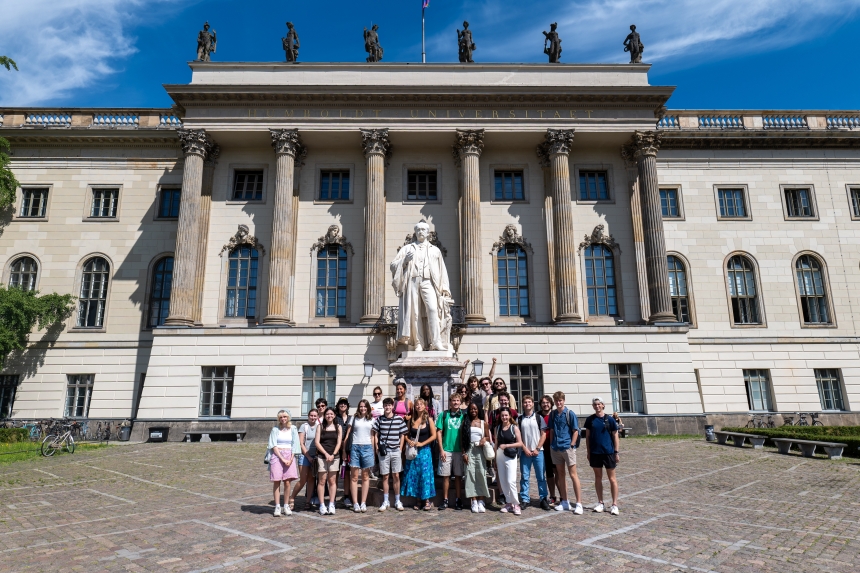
<point x="721" y="54"/>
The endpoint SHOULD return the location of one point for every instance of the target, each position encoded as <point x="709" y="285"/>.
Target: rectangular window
<point x="732" y="204"/>
<point x="854" y="192"/>
<point x="8" y="387"/>
<point x="248" y="185"/>
<point x="798" y="203"/>
<point x="626" y="382"/>
<point x="758" y="390"/>
<point x="104" y="203"/>
<point x="829" y="388"/>
<point x="669" y="203"/>
<point x="526" y="380"/>
<point x="509" y="186"/>
<point x="421" y="186"/>
<point x="592" y="186"/>
<point x="34" y="202"/>
<point x="78" y="394"/>
<point x="168" y="205"/>
<point x="318" y="382"/>
<point x="216" y="391"/>
<point x="334" y="185"/>
<point x="331" y="281"/>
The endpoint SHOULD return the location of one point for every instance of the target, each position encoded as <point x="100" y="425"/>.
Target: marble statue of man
<point x="420" y="279"/>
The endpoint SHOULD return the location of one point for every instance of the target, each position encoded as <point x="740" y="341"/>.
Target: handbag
<point x="412" y="451"/>
<point x="382" y="446"/>
<point x="267" y="457"/>
<point x="489" y="452"/>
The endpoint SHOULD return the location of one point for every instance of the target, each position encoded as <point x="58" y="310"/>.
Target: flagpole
<point x="423" y="55"/>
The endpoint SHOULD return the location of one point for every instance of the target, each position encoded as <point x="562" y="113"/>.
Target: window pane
<point x="626" y="385"/>
<point x="600" y="281"/>
<point x="331" y="281"/>
<point x="242" y="283"/>
<point x="317" y="382"/>
<point x="758" y="389"/>
<point x="8" y="388"/>
<point x="248" y="185"/>
<point x="512" y="274"/>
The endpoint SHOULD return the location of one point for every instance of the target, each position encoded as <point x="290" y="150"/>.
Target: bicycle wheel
<point x="49" y="445"/>
<point x="817" y="423"/>
<point x="70" y="444"/>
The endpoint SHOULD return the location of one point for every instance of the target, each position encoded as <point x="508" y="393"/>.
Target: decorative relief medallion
<point x="243" y="237"/>
<point x="642" y="144"/>
<point x="376" y="141"/>
<point x="511" y="236"/>
<point x="332" y="237"/>
<point x="468" y="141"/>
<point x="288" y="141"/>
<point x="598" y="237"/>
<point x="195" y="142"/>
<point x="432" y="238"/>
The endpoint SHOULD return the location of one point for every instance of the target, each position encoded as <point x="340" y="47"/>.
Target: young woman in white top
<point x="376" y="407"/>
<point x="307" y="434"/>
<point x="283" y="441"/>
<point x="508" y="445"/>
<point x="473" y="436"/>
<point x="361" y="455"/>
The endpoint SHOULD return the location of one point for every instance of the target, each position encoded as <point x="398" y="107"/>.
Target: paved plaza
<point x="686" y="505"/>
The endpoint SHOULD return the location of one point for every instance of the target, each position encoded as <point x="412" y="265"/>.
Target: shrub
<point x="849" y="435"/>
<point x="14" y="435"/>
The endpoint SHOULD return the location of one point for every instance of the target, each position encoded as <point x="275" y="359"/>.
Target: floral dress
<point x="418" y="480"/>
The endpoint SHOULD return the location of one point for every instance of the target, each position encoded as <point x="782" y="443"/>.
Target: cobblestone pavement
<point x="685" y="505"/>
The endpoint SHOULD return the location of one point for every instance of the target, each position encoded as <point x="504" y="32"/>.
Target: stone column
<point x="643" y="148"/>
<point x="205" y="207"/>
<point x="288" y="147"/>
<point x="555" y="151"/>
<point x="467" y="152"/>
<point x="196" y="144"/>
<point x="638" y="233"/>
<point x="377" y="148"/>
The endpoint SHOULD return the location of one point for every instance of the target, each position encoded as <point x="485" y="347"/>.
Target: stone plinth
<point x="438" y="368"/>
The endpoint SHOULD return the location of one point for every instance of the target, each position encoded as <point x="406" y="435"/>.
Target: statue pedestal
<point x="439" y="369"/>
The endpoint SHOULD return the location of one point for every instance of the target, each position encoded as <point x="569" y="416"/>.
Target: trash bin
<point x="158" y="434"/>
<point x="709" y="434"/>
<point x="125" y="433"/>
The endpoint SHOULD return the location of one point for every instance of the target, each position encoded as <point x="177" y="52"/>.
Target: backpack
<point x="571" y="422"/>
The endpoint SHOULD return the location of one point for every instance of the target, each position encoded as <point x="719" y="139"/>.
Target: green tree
<point x="21" y="310"/>
<point x="8" y="63"/>
<point x="8" y="183"/>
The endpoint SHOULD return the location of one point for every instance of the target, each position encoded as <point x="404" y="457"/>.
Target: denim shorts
<point x="361" y="456"/>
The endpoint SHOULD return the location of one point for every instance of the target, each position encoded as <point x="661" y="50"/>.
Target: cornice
<point x="88" y="138"/>
<point x="759" y="140"/>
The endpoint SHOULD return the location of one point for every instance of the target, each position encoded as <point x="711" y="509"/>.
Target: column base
<point x="476" y="319"/>
<point x="179" y="321"/>
<point x="369" y="319"/>
<point x="567" y="318"/>
<point x="277" y="320"/>
<point x="662" y="317"/>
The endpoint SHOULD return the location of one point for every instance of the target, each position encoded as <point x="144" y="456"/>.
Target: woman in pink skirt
<point x="283" y="442"/>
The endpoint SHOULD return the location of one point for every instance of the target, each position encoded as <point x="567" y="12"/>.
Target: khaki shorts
<point x="391" y="463"/>
<point x="566" y="457"/>
<point x="454" y="464"/>
<point x="324" y="465"/>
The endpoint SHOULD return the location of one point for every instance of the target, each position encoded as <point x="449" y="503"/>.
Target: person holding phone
<point x="601" y="446"/>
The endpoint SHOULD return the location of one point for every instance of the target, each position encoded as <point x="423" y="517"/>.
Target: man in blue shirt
<point x="564" y="431"/>
<point x="601" y="446"/>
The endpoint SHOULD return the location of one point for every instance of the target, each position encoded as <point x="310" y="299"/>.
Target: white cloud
<point x="681" y="31"/>
<point x="63" y="45"/>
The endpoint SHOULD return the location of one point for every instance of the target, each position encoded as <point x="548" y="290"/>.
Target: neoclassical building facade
<point x="230" y="255"/>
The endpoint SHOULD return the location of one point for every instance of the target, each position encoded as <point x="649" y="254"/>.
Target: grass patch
<point x="10" y="453"/>
<point x="849" y="435"/>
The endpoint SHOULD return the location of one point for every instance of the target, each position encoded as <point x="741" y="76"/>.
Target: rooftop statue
<point x="633" y="44"/>
<point x="206" y="42"/>
<point x="465" y="44"/>
<point x="291" y="43"/>
<point x="552" y="44"/>
<point x="371" y="44"/>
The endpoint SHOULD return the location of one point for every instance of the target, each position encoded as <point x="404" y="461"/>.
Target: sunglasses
<point x="377" y="393"/>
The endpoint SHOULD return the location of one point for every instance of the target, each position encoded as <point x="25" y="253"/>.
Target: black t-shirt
<point x="600" y="432"/>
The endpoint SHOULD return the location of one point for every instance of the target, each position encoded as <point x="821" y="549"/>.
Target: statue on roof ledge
<point x="552" y="44"/>
<point x="206" y="42"/>
<point x="291" y="43"/>
<point x="465" y="44"/>
<point x="633" y="44"/>
<point x="371" y="44"/>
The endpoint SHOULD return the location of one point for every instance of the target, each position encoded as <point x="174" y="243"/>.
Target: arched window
<point x="811" y="288"/>
<point x="513" y="281"/>
<point x="331" y="281"/>
<point x="159" y="294"/>
<point x="600" y="280"/>
<point x="678" y="289"/>
<point x="93" y="299"/>
<point x="242" y="283"/>
<point x="24" y="271"/>
<point x="742" y="288"/>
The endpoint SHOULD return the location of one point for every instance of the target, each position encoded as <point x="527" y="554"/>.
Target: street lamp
<point x="368" y="369"/>
<point x="478" y="367"/>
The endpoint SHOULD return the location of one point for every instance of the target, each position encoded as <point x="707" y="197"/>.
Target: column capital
<point x="376" y="142"/>
<point x="556" y="141"/>
<point x="195" y="142"/>
<point x="211" y="158"/>
<point x="642" y="144"/>
<point x="469" y="141"/>
<point x="288" y="142"/>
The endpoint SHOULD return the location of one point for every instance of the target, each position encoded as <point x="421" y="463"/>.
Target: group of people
<point x="482" y="438"/>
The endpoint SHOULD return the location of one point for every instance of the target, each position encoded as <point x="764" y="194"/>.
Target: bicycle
<point x="770" y="422"/>
<point x="54" y="442"/>
<point x="815" y="420"/>
<point x="755" y="421"/>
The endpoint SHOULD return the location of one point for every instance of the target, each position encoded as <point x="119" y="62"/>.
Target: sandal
<point x="428" y="506"/>
<point x="416" y="507"/>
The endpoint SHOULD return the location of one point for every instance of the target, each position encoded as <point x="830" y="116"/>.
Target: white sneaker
<point x="287" y="510"/>
<point x="331" y="508"/>
<point x="385" y="505"/>
<point x="481" y="507"/>
<point x="563" y="506"/>
<point x="356" y="508"/>
<point x="598" y="508"/>
<point x="475" y="507"/>
<point x="577" y="509"/>
<point x="614" y="510"/>
<point x="398" y="506"/>
<point x="363" y="508"/>
<point x="322" y="509"/>
<point x="278" y="510"/>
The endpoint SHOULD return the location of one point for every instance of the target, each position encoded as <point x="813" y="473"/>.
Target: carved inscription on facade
<point x="422" y="113"/>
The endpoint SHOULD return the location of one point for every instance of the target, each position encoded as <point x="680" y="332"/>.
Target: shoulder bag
<point x="412" y="451"/>
<point x="489" y="452"/>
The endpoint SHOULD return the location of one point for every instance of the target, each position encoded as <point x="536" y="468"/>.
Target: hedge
<point x="849" y="435"/>
<point x="14" y="435"/>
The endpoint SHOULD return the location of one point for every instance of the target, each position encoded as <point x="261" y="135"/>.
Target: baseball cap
<point x="597" y="399"/>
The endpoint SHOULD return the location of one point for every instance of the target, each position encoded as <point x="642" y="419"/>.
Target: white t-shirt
<point x="376" y="409"/>
<point x="361" y="431"/>
<point x="531" y="428"/>
<point x="310" y="433"/>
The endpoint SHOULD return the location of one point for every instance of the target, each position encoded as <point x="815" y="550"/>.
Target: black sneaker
<point x="544" y="504"/>
<point x="524" y="506"/>
<point x="502" y="500"/>
<point x="444" y="505"/>
<point x="458" y="505"/>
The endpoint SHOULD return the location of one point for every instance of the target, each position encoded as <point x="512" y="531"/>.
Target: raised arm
<point x="463" y="372"/>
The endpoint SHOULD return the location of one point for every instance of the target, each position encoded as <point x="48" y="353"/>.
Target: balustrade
<point x="48" y="119"/>
<point x="784" y="122"/>
<point x="721" y="122"/>
<point x="116" y="120"/>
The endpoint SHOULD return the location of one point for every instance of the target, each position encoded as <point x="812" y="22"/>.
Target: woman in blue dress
<point x="418" y="481"/>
